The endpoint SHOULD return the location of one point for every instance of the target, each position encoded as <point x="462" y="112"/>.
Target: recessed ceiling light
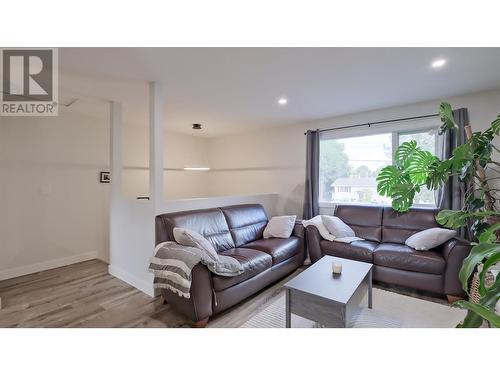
<point x="282" y="101"/>
<point x="439" y="63"/>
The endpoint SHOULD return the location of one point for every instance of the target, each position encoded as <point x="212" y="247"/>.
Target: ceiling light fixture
<point x="439" y="63"/>
<point x="196" y="127"/>
<point x="282" y="101"/>
<point x="196" y="168"/>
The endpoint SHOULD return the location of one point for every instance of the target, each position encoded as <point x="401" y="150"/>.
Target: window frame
<point x="395" y="134"/>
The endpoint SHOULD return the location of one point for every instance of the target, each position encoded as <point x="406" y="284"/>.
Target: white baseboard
<point x="142" y="285"/>
<point x="44" y="266"/>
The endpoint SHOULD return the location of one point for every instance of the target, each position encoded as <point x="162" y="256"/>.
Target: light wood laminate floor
<point x="85" y="295"/>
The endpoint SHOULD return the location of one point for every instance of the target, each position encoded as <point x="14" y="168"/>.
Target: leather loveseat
<point x="385" y="232"/>
<point x="235" y="231"/>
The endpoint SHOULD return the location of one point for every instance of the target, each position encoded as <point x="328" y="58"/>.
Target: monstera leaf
<point x="387" y="178"/>
<point x="495" y="126"/>
<point x="420" y="166"/>
<point x="404" y="153"/>
<point x="452" y="219"/>
<point x="456" y="219"/>
<point x="446" y="116"/>
<point x="402" y="196"/>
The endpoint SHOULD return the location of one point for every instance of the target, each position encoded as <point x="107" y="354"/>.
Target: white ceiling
<point x="229" y="90"/>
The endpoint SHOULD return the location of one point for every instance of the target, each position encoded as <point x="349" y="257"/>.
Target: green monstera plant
<point x="474" y="164"/>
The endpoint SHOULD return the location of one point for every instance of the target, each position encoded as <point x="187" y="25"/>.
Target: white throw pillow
<point x="280" y="226"/>
<point x="337" y="227"/>
<point x="188" y="237"/>
<point x="318" y="223"/>
<point x="430" y="238"/>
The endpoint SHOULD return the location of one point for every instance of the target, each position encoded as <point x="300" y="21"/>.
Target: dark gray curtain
<point x="451" y="196"/>
<point x="311" y="207"/>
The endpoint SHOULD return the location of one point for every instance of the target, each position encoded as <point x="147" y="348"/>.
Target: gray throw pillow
<point x="280" y="227"/>
<point x="430" y="238"/>
<point x="188" y="237"/>
<point x="337" y="227"/>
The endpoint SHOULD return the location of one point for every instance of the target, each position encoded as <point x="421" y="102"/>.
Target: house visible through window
<point x="349" y="166"/>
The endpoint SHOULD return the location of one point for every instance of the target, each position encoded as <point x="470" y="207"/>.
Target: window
<point x="349" y="166"/>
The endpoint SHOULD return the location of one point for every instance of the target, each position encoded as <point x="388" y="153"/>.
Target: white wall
<point x="53" y="209"/>
<point x="273" y="160"/>
<point x="180" y="151"/>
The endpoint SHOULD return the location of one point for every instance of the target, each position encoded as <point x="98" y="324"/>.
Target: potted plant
<point x="474" y="165"/>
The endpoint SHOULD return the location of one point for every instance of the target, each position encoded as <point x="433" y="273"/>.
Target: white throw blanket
<point x="172" y="265"/>
<point x="317" y="221"/>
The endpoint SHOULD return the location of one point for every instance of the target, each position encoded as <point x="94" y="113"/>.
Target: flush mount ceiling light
<point x="282" y="101"/>
<point x="439" y="63"/>
<point x="196" y="127"/>
<point x="196" y="168"/>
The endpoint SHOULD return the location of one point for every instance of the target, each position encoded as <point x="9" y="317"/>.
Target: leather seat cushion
<point x="402" y="257"/>
<point x="279" y="249"/>
<point x="356" y="250"/>
<point x="253" y="262"/>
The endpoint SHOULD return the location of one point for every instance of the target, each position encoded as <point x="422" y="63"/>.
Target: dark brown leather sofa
<point x="385" y="232"/>
<point x="235" y="231"/>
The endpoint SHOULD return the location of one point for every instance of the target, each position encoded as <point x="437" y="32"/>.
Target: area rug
<point x="390" y="310"/>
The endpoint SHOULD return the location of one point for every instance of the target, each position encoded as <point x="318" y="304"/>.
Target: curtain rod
<point x="369" y="124"/>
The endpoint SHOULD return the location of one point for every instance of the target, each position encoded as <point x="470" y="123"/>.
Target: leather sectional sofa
<point x="236" y="231"/>
<point x="385" y="232"/>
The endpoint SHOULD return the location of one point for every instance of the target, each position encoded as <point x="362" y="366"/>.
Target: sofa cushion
<point x="279" y="249"/>
<point x="403" y="257"/>
<point x="246" y="222"/>
<point x="397" y="227"/>
<point x="366" y="221"/>
<point x="356" y="250"/>
<point x="253" y="262"/>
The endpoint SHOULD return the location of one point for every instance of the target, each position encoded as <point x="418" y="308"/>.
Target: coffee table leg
<point x="370" y="298"/>
<point x="287" y="306"/>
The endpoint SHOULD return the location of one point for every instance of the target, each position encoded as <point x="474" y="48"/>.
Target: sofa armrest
<point x="454" y="252"/>
<point x="199" y="306"/>
<point x="299" y="230"/>
<point x="313" y="239"/>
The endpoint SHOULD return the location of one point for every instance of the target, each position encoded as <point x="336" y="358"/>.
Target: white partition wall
<point x="132" y="221"/>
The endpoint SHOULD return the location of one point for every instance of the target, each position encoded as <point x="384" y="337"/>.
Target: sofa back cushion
<point x="366" y="221"/>
<point x="398" y="226"/>
<point x="210" y="223"/>
<point x="246" y="222"/>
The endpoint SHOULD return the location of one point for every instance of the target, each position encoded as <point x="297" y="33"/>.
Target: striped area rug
<point x="390" y="310"/>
